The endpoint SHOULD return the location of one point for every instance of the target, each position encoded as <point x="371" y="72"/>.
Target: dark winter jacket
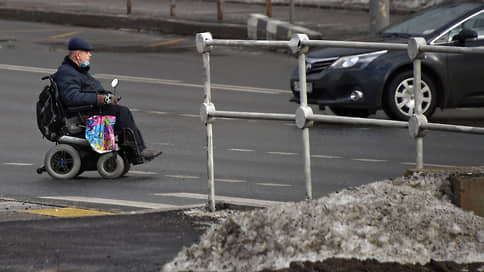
<point x="76" y="86"/>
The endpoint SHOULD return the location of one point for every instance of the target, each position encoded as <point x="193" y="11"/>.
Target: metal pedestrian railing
<point x="304" y="116"/>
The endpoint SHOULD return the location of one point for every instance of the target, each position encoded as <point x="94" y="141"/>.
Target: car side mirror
<point x="464" y="35"/>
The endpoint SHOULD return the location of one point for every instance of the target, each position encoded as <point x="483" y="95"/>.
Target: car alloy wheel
<point x="399" y="100"/>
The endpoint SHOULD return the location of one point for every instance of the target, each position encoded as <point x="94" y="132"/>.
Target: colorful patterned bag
<point x="100" y="133"/>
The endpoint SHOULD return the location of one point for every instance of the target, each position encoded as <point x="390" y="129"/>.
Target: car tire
<point x="398" y="99"/>
<point x="110" y="166"/>
<point x="362" y="113"/>
<point x="62" y="162"/>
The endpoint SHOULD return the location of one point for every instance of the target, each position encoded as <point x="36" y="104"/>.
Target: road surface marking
<point x="233" y="200"/>
<point x="189" y="115"/>
<point x="166" y="144"/>
<point x="274" y="184"/>
<point x="18" y="163"/>
<point x="136" y="172"/>
<point x="138" y="79"/>
<point x="116" y="202"/>
<point x="32" y="30"/>
<point x="157" y="112"/>
<point x="368" y="160"/>
<point x="64" y="35"/>
<point x="429" y="164"/>
<point x="165" y="43"/>
<point x="67" y="212"/>
<point x="231" y="180"/>
<point x="282" y="153"/>
<point x="182" y="46"/>
<point x="182" y="177"/>
<point x="241" y="150"/>
<point x="27" y="69"/>
<point x="225" y="87"/>
<point x="249" y="89"/>
<point x="326" y="157"/>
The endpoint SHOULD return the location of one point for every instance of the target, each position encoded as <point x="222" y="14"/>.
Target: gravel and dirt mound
<point x="409" y="221"/>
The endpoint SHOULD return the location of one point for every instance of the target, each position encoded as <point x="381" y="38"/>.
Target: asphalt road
<point x="161" y="80"/>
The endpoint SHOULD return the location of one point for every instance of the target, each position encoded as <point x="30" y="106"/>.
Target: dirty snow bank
<point x="406" y="220"/>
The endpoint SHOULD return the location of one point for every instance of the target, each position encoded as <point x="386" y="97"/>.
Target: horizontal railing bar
<point x="331" y="119"/>
<point x="352" y="44"/>
<point x="348" y="44"/>
<point x="256" y="43"/>
<point x="451" y="49"/>
<point x="253" y="115"/>
<point x="453" y="128"/>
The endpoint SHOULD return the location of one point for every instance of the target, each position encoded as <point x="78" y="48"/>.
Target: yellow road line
<point x="64" y="35"/>
<point x="67" y="212"/>
<point x="164" y="43"/>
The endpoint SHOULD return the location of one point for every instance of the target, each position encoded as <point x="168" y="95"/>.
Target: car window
<point x="475" y="23"/>
<point x="428" y="21"/>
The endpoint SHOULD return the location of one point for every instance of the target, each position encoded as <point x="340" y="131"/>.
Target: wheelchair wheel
<point x="62" y="162"/>
<point x="111" y="166"/>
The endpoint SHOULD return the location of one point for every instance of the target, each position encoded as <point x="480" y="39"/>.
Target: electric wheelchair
<point x="72" y="153"/>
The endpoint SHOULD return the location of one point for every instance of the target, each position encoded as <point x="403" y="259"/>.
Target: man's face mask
<point x="84" y="64"/>
<point x="84" y="59"/>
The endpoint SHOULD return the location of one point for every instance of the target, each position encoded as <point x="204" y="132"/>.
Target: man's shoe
<point x="149" y="154"/>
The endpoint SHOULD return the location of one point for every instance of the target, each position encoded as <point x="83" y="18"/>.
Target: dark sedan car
<point x="358" y="82"/>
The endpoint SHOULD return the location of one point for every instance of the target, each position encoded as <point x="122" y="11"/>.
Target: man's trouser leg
<point x="124" y="119"/>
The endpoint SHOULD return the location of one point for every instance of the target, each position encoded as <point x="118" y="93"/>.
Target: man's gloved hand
<point x="107" y="99"/>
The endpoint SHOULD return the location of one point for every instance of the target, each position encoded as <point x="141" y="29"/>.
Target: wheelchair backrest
<point x="52" y="118"/>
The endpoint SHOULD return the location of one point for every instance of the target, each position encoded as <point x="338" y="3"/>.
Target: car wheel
<point x="62" y="162"/>
<point x="399" y="100"/>
<point x="110" y="166"/>
<point x="350" y="112"/>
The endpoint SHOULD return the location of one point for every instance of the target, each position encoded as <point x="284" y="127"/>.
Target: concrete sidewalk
<point x="192" y="16"/>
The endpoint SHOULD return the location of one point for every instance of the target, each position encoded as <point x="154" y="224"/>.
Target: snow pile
<point x="407" y="220"/>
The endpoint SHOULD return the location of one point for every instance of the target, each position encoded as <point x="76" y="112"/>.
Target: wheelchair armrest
<point x="80" y="108"/>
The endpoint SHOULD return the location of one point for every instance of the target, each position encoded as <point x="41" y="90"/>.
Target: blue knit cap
<point x="77" y="43"/>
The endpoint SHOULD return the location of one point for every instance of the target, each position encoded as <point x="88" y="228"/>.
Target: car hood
<point x="341" y="52"/>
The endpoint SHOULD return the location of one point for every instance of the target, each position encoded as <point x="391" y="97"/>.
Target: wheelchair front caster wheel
<point x="111" y="166"/>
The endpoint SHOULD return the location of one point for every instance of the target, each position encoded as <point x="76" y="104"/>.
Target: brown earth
<point x="355" y="265"/>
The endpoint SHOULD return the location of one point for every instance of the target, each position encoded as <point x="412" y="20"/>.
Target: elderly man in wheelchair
<point x="91" y="130"/>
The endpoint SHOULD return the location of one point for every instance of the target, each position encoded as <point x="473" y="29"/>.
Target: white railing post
<point x="206" y="109"/>
<point x="304" y="116"/>
<point x="304" y="111"/>
<point x="418" y="119"/>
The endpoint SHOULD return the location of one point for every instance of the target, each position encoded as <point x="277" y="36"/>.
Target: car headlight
<point x="362" y="59"/>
